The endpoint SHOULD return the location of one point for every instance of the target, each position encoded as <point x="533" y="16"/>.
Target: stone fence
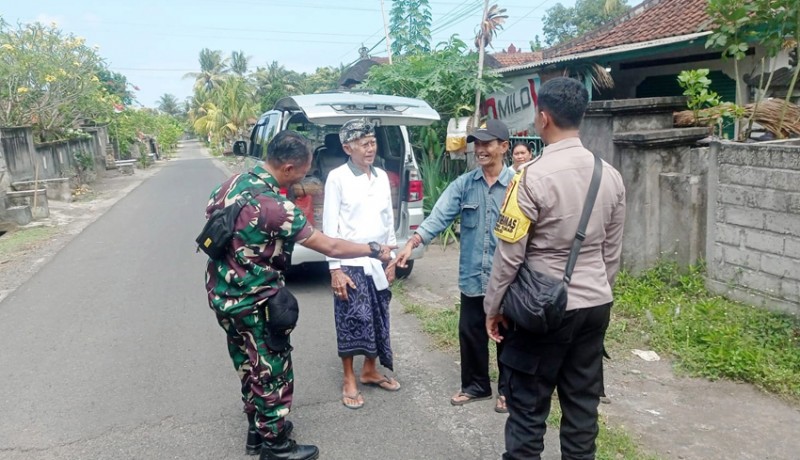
<point x="26" y="160"/>
<point x="735" y="205"/>
<point x="753" y="251"/>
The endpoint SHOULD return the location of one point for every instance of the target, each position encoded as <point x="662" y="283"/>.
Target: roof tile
<point x="651" y="20"/>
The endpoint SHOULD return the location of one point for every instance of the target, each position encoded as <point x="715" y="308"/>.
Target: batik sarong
<point x="362" y="321"/>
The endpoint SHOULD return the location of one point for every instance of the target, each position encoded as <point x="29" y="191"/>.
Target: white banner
<point x="516" y="105"/>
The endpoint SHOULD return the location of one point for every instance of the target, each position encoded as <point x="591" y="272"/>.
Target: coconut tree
<point x="169" y="104"/>
<point x="213" y="69"/>
<point x="239" y="63"/>
<point x="228" y="112"/>
<point x="491" y="23"/>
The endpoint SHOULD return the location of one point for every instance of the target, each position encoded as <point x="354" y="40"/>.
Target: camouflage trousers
<point x="267" y="376"/>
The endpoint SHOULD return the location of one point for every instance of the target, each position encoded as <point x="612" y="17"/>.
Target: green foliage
<point x="706" y="104"/>
<point x="50" y="81"/>
<point x="709" y="335"/>
<point x="445" y="78"/>
<point x="169" y="104"/>
<point x="410" y="26"/>
<point x="773" y="24"/>
<point x="561" y="23"/>
<point x="437" y="173"/>
<point x="135" y="125"/>
<point x="116" y="84"/>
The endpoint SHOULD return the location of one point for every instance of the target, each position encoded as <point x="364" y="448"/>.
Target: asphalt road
<point x="110" y="351"/>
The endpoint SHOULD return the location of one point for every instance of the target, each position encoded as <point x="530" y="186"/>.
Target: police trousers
<point x="570" y="360"/>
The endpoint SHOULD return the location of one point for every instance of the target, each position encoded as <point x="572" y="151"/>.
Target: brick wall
<point x="753" y="249"/>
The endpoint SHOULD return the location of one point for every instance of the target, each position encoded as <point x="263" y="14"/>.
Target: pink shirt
<point x="553" y="198"/>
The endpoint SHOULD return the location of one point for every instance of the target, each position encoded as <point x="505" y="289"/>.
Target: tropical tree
<point x="323" y="79"/>
<point x="774" y="24"/>
<point x="117" y="85"/>
<point x="228" y="112"/>
<point x="169" y="104"/>
<point x="239" y="62"/>
<point x="274" y="82"/>
<point x="561" y="24"/>
<point x="48" y="80"/>
<point x="213" y="69"/>
<point x="445" y="78"/>
<point x="492" y="21"/>
<point x="410" y="26"/>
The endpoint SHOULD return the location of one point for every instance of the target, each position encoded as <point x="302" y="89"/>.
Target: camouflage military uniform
<point x="239" y="284"/>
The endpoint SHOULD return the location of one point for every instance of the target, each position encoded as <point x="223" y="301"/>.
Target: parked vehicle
<point x="319" y="117"/>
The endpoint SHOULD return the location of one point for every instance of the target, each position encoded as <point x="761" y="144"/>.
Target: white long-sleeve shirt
<point x="358" y="208"/>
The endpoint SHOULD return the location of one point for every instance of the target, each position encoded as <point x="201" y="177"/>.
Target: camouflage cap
<point x="355" y="129"/>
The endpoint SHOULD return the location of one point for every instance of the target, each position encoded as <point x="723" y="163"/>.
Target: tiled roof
<point x="651" y="20"/>
<point x="509" y="59"/>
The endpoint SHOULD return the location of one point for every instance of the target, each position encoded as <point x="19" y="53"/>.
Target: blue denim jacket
<point x="479" y="206"/>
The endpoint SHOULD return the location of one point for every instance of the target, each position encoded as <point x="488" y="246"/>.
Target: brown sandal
<point x="456" y="401"/>
<point x="500" y="406"/>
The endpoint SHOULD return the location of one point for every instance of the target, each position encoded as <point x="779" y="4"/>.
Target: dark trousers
<point x="474" y="345"/>
<point x="569" y="359"/>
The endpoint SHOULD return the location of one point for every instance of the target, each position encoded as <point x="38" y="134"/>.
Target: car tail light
<point x="284" y="192"/>
<point x="414" y="191"/>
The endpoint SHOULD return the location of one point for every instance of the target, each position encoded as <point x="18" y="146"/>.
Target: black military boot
<point x="287" y="449"/>
<point x="254" y="439"/>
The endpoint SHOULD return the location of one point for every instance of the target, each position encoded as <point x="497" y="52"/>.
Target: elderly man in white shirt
<point x="358" y="207"/>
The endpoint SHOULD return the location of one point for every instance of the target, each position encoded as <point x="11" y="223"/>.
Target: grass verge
<point x="18" y="240"/>
<point x="710" y="336"/>
<point x="442" y="326"/>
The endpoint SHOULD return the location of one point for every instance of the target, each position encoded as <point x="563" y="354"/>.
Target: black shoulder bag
<point x="535" y="301"/>
<point x="218" y="231"/>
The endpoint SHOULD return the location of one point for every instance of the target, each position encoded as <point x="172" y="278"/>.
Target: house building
<point x="643" y="52"/>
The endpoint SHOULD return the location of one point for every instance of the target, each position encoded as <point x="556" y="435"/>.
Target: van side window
<point x="256" y="140"/>
<point x="395" y="145"/>
<point x="266" y="134"/>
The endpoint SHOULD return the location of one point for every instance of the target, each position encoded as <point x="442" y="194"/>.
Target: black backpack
<point x="218" y="231"/>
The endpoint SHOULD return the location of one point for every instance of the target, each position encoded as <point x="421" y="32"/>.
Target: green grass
<point x="22" y="239"/>
<point x="442" y="326"/>
<point x="710" y="336"/>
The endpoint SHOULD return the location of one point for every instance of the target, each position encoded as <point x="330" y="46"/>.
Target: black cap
<point x="493" y="129"/>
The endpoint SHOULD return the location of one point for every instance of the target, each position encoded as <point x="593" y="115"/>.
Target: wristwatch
<point x="375" y="249"/>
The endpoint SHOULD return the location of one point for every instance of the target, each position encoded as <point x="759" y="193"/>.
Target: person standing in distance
<point x="569" y="358"/>
<point x="521" y="153"/>
<point x="476" y="196"/>
<point x="246" y="289"/>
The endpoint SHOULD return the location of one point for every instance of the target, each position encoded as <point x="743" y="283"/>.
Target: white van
<point x="319" y="117"/>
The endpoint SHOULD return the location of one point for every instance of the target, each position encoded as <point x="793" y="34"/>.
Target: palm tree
<point x="213" y="69"/>
<point x="239" y="63"/>
<point x="168" y="104"/>
<point x="228" y="113"/>
<point x="274" y="82"/>
<point x="493" y="19"/>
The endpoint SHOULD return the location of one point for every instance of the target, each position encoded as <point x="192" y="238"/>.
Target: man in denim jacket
<point x="477" y="196"/>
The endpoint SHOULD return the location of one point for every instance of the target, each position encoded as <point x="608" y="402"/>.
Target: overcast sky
<point x="155" y="42"/>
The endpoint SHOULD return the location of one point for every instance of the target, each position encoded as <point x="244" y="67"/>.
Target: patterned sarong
<point x="362" y="322"/>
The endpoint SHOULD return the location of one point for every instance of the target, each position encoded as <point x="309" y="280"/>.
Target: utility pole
<point x="386" y="32"/>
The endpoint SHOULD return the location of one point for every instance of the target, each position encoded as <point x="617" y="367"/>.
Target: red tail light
<point x="414" y="191"/>
<point x="283" y="192"/>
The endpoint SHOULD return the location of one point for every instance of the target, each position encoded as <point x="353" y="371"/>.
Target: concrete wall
<point x="56" y="159"/>
<point x="18" y="151"/>
<point x="753" y="250"/>
<point x="664" y="177"/>
<point x="53" y="159"/>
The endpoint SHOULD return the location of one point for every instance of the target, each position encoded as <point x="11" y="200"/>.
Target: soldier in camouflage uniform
<point x="246" y="289"/>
